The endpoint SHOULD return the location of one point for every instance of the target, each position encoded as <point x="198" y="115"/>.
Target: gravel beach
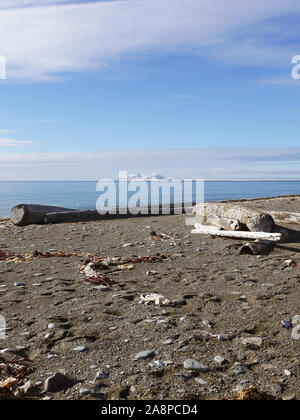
<point x="232" y="324"/>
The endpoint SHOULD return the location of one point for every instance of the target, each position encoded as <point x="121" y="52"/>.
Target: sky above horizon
<point x="186" y="88"/>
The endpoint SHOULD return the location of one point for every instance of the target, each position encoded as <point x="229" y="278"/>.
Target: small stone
<point x="191" y="364"/>
<point x="48" y="279"/>
<point x="21" y="285"/>
<point x="287" y="372"/>
<point x="148" y="354"/>
<point x="200" y="381"/>
<point x="179" y="302"/>
<point x="58" y="382"/>
<point x="277" y="388"/>
<point x="102" y="374"/>
<point x="168" y="342"/>
<point x="84" y="391"/>
<point x="128" y="245"/>
<point x="80" y="349"/>
<point x="102" y="288"/>
<point x="51" y="326"/>
<point x="286" y="324"/>
<point x="159" y="363"/>
<point x="220" y="360"/>
<point x="252" y="341"/>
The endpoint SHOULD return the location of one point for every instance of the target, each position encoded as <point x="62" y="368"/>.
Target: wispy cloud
<point x="40" y="43"/>
<point x="6" y="142"/>
<point x="213" y="163"/>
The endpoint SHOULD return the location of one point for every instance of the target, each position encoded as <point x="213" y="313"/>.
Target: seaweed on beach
<point x="13" y="384"/>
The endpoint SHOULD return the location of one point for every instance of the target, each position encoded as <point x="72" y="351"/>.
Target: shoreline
<point x="185" y="207"/>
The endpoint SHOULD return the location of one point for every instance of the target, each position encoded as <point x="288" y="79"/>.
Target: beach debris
<point x="286" y="217"/>
<point x="258" y="247"/>
<point x="126" y="267"/>
<point x="12" y="379"/>
<point x="4" y="255"/>
<point x="158" y="299"/>
<point x="91" y="272"/>
<point x="288" y="263"/>
<point x="32" y="214"/>
<point x="237" y="234"/>
<point x="159" y="236"/>
<point x="254" y="220"/>
<point x="249" y="394"/>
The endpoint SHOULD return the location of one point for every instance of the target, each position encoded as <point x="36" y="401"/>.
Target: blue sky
<point x="191" y="88"/>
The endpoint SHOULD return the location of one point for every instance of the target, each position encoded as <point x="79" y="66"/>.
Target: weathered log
<point x="241" y="235"/>
<point x="72" y="216"/>
<point x="224" y="223"/>
<point x="258" y="247"/>
<point x="285" y="217"/>
<point x="256" y="221"/>
<point x="32" y="214"/>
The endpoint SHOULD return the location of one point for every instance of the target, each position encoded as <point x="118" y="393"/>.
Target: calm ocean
<point x="83" y="195"/>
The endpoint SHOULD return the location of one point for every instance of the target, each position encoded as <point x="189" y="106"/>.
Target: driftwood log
<point x="285" y="217"/>
<point x="202" y="229"/>
<point x="32" y="214"/>
<point x="255" y="221"/>
<point x="258" y="247"/>
<point x="72" y="216"/>
<point x="224" y="223"/>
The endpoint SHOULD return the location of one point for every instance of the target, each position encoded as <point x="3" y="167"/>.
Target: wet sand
<point x="50" y="310"/>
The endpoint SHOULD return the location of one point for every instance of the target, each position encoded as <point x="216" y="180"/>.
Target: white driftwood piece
<point x="202" y="229"/>
<point x="256" y="221"/>
<point x="286" y="217"/>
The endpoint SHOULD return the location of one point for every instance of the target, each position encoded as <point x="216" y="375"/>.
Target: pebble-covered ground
<point x="232" y="326"/>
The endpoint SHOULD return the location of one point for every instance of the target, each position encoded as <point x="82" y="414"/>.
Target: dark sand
<point x="227" y="294"/>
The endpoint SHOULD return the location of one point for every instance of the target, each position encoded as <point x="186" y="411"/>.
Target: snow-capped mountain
<point x="154" y="177"/>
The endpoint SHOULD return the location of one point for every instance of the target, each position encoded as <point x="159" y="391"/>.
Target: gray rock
<point x="296" y="332"/>
<point x="276" y="388"/>
<point x="191" y="364"/>
<point x="148" y="354"/>
<point x="200" y="381"/>
<point x="84" y="391"/>
<point x="21" y="285"/>
<point x="58" y="382"/>
<point x="286" y="324"/>
<point x="80" y="349"/>
<point x="220" y="360"/>
<point x="296" y="320"/>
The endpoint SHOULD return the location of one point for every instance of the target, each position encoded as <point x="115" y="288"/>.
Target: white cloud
<point x="214" y="163"/>
<point x="7" y="142"/>
<point x="40" y="42"/>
